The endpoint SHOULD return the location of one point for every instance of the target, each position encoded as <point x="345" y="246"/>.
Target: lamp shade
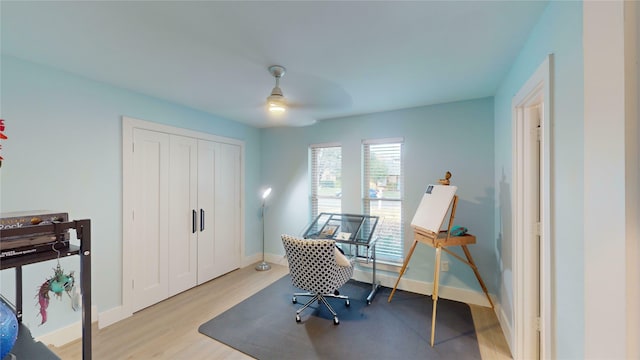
<point x="276" y="104"/>
<point x="266" y="193"/>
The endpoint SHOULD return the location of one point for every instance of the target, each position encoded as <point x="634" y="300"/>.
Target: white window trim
<point x="336" y="144"/>
<point x="383" y="141"/>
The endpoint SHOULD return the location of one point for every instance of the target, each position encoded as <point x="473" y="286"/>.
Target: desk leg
<point x="19" y="293"/>
<point x="374" y="283"/>
<point x="83" y="229"/>
<point x="436" y="280"/>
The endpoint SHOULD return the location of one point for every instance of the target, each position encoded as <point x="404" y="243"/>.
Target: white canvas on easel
<point x="433" y="207"/>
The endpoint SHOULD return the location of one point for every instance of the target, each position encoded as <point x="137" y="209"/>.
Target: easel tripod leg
<point x="477" y="273"/>
<point x="404" y="267"/>
<point x="436" y="280"/>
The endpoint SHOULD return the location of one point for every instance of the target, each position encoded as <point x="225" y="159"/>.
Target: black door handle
<point x="193" y="221"/>
<point x="201" y="220"/>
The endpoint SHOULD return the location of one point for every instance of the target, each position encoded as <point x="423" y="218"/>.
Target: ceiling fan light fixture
<point x="276" y="103"/>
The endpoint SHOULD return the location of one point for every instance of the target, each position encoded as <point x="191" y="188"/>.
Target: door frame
<point x="128" y="124"/>
<point x="524" y="321"/>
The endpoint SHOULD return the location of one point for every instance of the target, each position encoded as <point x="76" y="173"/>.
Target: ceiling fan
<point x="276" y="102"/>
<point x="292" y="112"/>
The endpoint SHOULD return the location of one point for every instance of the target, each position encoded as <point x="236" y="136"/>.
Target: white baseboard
<point x="270" y="258"/>
<point x="248" y="260"/>
<point x="363" y="273"/>
<point x="276" y="259"/>
<point x="73" y="332"/>
<point x="67" y="334"/>
<point x="504" y="323"/>
<point x="425" y="288"/>
<point x="111" y="316"/>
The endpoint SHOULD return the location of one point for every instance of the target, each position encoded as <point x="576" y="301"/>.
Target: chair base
<point x="321" y="298"/>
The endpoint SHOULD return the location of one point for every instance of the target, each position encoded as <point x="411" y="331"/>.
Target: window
<point x="326" y="179"/>
<point x="382" y="196"/>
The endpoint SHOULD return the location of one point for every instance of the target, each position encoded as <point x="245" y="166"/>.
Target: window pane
<point x="326" y="179"/>
<point x="329" y="205"/>
<point x="382" y="196"/>
<point x="389" y="246"/>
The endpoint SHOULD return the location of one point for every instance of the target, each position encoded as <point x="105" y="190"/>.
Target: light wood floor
<point x="169" y="329"/>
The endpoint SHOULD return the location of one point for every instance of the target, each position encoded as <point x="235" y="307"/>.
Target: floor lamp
<point x="263" y="266"/>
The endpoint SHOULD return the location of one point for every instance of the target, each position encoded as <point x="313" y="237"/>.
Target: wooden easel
<point x="441" y="241"/>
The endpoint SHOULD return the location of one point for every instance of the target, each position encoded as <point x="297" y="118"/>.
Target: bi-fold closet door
<point x="183" y="214"/>
<point x="218" y="214"/>
<point x="187" y="213"/>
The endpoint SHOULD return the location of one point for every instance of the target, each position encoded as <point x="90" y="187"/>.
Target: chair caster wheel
<point x="294" y="300"/>
<point x="347" y="303"/>
<point x="335" y="320"/>
<point x="298" y="319"/>
<point x="368" y="302"/>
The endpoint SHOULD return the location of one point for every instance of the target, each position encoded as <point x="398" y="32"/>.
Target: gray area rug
<point x="264" y="326"/>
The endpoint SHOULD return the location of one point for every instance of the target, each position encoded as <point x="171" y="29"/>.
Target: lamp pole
<point x="263" y="266"/>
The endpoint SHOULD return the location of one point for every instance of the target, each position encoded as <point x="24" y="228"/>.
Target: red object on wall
<point x="2" y="137"/>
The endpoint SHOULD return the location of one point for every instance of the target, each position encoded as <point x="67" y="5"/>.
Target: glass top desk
<point x="354" y="232"/>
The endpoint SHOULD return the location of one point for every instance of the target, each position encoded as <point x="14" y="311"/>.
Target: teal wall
<point x="558" y="32"/>
<point x="456" y="137"/>
<point x="64" y="153"/>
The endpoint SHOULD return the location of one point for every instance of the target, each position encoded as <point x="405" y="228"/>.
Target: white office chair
<point x="313" y="267"/>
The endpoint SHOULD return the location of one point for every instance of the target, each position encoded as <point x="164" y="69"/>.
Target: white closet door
<point x="183" y="204"/>
<point x="206" y="210"/>
<point x="168" y="173"/>
<point x="150" y="217"/>
<point x="227" y="208"/>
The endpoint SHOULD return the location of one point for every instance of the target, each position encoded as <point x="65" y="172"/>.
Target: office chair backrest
<point x="312" y="264"/>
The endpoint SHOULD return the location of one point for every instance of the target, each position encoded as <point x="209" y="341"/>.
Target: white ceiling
<point x="342" y="58"/>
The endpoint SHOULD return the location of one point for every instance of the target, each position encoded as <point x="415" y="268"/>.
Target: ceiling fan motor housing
<point x="277" y="71"/>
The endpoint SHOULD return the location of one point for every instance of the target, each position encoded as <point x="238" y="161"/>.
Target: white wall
<point x="604" y="156"/>
<point x="611" y="147"/>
